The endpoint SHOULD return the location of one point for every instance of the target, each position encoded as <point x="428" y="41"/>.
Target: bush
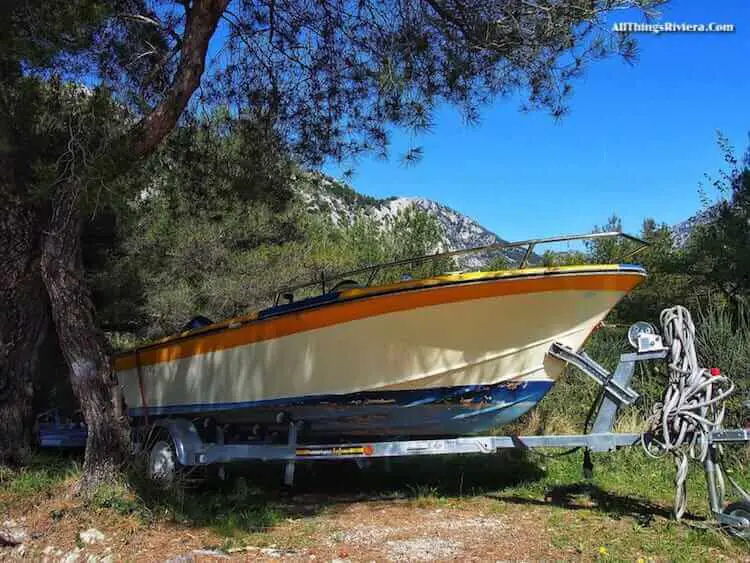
<point x="723" y="341"/>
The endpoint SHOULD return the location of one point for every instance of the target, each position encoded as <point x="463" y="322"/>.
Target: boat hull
<point x="454" y="358"/>
<point x="449" y="411"/>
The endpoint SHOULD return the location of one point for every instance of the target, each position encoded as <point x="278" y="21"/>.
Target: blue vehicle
<point x="53" y="430"/>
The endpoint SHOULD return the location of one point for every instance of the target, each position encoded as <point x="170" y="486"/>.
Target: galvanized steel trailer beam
<point x="191" y="450"/>
<point x="400" y="448"/>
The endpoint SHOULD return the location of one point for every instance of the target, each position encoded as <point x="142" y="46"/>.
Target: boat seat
<point x="345" y="284"/>
<point x="196" y="322"/>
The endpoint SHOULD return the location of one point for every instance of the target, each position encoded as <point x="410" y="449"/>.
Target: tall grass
<point x="723" y="341"/>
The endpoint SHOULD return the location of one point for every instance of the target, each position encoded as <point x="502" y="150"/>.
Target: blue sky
<point x="637" y="142"/>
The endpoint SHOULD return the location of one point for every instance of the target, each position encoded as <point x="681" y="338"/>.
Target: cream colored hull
<point x="463" y="343"/>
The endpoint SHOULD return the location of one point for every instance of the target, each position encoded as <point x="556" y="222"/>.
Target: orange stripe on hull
<point x="351" y="310"/>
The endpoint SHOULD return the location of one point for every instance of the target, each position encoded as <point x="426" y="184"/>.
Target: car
<point x="53" y="430"/>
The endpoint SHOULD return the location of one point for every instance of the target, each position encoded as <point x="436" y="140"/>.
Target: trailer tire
<point x="739" y="509"/>
<point x="162" y="465"/>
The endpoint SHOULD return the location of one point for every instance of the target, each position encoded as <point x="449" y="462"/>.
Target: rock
<point x="92" y="535"/>
<point x="12" y="533"/>
<point x="242" y="549"/>
<point x="198" y="555"/>
<point x="324" y="195"/>
<point x="52" y="554"/>
<point x="181" y="559"/>
<point x="211" y="553"/>
<point x="72" y="556"/>
<point x="274" y="552"/>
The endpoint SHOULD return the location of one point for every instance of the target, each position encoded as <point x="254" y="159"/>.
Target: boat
<point x="447" y="355"/>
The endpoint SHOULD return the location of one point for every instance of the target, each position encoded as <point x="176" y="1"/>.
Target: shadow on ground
<point x="253" y="499"/>
<point x="587" y="496"/>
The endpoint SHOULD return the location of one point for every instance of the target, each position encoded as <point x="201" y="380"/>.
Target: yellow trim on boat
<point x="208" y="328"/>
<point x="474" y="276"/>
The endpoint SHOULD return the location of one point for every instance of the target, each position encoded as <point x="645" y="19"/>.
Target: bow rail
<point x="529" y="246"/>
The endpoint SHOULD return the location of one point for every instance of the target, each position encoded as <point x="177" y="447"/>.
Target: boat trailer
<point x="191" y="451"/>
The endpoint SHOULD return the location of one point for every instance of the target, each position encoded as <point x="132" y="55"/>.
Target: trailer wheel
<point x="162" y="465"/>
<point x="739" y="510"/>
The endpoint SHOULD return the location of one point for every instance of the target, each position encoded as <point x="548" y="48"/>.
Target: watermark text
<point x="673" y="27"/>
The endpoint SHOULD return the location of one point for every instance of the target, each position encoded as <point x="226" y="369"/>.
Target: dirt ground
<point x="478" y="509"/>
<point x="479" y="528"/>
<point x="372" y="531"/>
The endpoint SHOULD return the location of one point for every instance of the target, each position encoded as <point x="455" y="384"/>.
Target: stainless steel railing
<point x="528" y="245"/>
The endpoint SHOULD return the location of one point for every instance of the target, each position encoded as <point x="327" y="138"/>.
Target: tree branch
<point x="201" y="24"/>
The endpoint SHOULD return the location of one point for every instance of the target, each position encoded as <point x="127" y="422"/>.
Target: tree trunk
<point x="82" y="343"/>
<point x="24" y="319"/>
<point x="62" y="265"/>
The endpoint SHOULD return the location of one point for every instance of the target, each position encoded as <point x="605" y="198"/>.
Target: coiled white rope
<point x="692" y="405"/>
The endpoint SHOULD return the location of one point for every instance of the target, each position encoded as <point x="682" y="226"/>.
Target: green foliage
<point x="410" y="233"/>
<point x="567" y="406"/>
<point x="715" y="259"/>
<point x="627" y="502"/>
<point x="43" y="473"/>
<point x="364" y="68"/>
<point x="216" y="261"/>
<point x="201" y="232"/>
<point x="206" y="235"/>
<point x="46" y="34"/>
<point x="612" y="249"/>
<point x="718" y="252"/>
<point x="119" y="498"/>
<point x="350" y="196"/>
<point x="667" y="284"/>
<point x="498" y="263"/>
<point x="723" y="341"/>
<point x="552" y="258"/>
<point x="369" y="66"/>
<point x="48" y="129"/>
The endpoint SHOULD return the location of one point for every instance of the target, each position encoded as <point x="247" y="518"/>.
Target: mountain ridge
<point x="342" y="203"/>
<point x="324" y="194"/>
<point x="682" y="231"/>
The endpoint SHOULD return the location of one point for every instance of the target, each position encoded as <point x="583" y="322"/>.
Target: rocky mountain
<point x="682" y="230"/>
<point x="323" y="194"/>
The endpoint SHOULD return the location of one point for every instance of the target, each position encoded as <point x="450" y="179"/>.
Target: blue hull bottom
<point x="447" y="411"/>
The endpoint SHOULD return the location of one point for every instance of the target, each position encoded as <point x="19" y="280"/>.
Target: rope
<point x="692" y="405"/>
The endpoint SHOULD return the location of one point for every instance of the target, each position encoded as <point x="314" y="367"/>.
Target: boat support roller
<point x="616" y="386"/>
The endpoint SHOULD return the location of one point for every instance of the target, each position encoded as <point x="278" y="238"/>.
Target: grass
<point x="623" y="512"/>
<point x="43" y="475"/>
<point x="627" y="506"/>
